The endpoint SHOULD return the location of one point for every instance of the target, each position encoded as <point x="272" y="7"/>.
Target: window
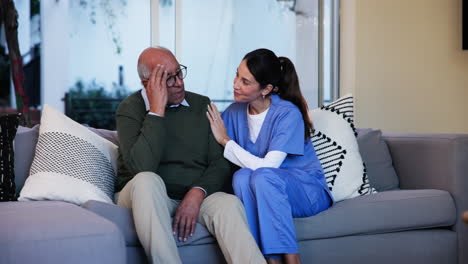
<point x="105" y="39"/>
<point x="89" y="55"/>
<point x="92" y="43"/>
<point x="211" y="37"/>
<point x="97" y="42"/>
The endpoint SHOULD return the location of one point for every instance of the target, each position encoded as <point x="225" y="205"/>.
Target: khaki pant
<point x="222" y="214"/>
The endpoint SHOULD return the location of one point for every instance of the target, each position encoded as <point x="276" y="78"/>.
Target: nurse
<point x="266" y="132"/>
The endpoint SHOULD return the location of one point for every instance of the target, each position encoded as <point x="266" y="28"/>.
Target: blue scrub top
<point x="282" y="130"/>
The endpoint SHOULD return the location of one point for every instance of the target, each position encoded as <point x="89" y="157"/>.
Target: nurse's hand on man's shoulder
<point x="217" y="125"/>
<point x="185" y="218"/>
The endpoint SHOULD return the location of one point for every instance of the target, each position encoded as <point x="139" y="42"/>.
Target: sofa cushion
<point x="57" y="232"/>
<point x="371" y="214"/>
<point x="122" y="217"/>
<point x="25" y="146"/>
<point x="382" y="212"/>
<point x="376" y="157"/>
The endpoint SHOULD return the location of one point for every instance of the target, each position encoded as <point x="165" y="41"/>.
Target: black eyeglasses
<point x="180" y="73"/>
<point x="171" y="80"/>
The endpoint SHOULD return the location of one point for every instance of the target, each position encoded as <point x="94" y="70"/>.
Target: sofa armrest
<point x="435" y="161"/>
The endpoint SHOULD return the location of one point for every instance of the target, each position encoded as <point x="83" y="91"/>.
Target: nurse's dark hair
<point x="280" y="72"/>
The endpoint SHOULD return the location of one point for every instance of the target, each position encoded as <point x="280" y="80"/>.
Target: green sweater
<point x="179" y="147"/>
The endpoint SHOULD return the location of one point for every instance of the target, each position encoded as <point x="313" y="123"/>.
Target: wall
<point x="404" y="63"/>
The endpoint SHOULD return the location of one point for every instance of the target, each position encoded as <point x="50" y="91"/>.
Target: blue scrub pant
<point x="272" y="197"/>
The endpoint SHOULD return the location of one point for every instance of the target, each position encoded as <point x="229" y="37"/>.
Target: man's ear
<point x="267" y="90"/>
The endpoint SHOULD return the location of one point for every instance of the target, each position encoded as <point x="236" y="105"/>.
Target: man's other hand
<point x="186" y="214"/>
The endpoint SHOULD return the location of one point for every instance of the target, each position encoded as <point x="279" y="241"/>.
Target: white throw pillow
<point x="335" y="143"/>
<point x="71" y="163"/>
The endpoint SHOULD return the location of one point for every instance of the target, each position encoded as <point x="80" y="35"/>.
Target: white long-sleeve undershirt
<point x="244" y="159"/>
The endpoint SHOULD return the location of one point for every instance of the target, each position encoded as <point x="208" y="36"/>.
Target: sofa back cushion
<point x="110" y="135"/>
<point x="376" y="156"/>
<point x="25" y="146"/>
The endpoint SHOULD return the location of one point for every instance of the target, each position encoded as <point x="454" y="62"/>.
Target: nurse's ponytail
<point x="280" y="72"/>
<point x="289" y="89"/>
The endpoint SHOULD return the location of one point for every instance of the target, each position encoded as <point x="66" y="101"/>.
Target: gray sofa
<point x="418" y="223"/>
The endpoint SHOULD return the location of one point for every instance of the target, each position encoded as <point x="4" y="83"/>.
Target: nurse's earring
<point x="263" y="97"/>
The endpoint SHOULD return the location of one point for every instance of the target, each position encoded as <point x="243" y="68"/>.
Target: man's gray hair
<point x="143" y="71"/>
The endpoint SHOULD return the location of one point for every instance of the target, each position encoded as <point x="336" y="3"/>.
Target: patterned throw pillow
<point x="71" y="163"/>
<point x="334" y="139"/>
<point x="8" y="126"/>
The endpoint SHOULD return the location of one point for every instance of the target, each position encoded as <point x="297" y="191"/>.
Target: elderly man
<point x="170" y="165"/>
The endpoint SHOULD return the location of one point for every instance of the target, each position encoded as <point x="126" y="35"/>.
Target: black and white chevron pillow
<point x="71" y="163"/>
<point x="335" y="143"/>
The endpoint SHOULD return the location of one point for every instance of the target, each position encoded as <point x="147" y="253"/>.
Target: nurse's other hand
<point x="217" y="125"/>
